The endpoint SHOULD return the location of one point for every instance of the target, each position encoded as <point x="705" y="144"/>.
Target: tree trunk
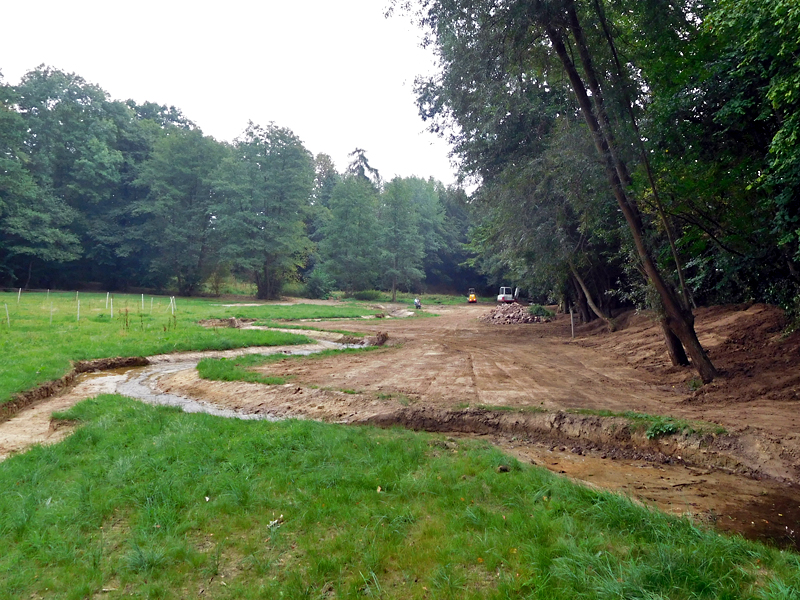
<point x="677" y="355"/>
<point x="601" y="315"/>
<point x="261" y="287"/>
<point x="679" y="320"/>
<point x="580" y="303"/>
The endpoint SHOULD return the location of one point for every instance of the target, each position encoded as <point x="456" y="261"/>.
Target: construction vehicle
<point x="506" y="295"/>
<point x="473" y="297"/>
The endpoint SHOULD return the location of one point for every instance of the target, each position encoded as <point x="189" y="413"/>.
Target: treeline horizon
<point x="95" y="191"/>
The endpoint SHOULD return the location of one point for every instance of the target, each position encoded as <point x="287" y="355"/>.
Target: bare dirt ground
<point x="519" y="385"/>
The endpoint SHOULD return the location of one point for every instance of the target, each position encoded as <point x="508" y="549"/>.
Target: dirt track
<point x="456" y="374"/>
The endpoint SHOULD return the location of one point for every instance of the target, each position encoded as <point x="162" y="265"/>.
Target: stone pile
<point x="504" y="314"/>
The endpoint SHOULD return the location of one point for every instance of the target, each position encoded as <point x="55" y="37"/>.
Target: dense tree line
<point x="122" y="194"/>
<point x="626" y="151"/>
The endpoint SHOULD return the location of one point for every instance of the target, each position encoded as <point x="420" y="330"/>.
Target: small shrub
<point x="319" y="285"/>
<point x="217" y="279"/>
<point x="368" y="295"/>
<point x="660" y="429"/>
<point x="538" y="310"/>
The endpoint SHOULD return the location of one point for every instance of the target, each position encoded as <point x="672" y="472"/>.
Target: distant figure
<point x="417" y="303"/>
<point x="516" y="294"/>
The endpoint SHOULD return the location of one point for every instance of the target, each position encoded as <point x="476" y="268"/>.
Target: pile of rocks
<point x="504" y="314"/>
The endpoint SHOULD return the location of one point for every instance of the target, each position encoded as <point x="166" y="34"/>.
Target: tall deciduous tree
<point x="349" y="248"/>
<point x="761" y="41"/>
<point x="32" y="221"/>
<point x="178" y="220"/>
<point x="401" y="242"/>
<point x="263" y="193"/>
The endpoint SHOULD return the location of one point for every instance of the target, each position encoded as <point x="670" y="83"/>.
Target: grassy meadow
<point x="41" y="334"/>
<point x="148" y="502"/>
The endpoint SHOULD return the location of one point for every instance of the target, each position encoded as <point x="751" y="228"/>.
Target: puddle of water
<point x="758" y="510"/>
<point x="774" y="518"/>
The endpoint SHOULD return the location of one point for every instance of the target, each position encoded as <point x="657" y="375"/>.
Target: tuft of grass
<point x="694" y="384"/>
<point x="662" y="428"/>
<point x="148" y="501"/>
<point x="238" y="368"/>
<point x="401" y="398"/>
<point x="655" y="425"/>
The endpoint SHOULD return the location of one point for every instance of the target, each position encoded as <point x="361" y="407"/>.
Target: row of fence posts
<point x="109" y="303"/>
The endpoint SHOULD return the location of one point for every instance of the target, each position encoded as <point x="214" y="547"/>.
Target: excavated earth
<point x="546" y="398"/>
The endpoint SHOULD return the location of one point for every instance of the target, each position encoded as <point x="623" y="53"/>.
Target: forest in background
<point x="99" y="191"/>
<point x="619" y="153"/>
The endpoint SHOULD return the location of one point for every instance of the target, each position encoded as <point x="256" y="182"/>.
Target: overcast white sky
<point x="338" y="74"/>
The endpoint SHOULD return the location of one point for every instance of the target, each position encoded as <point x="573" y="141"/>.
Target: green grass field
<point x="148" y="502"/>
<point x="43" y="333"/>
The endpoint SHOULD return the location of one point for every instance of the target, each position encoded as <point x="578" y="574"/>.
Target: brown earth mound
<point x="507" y="314"/>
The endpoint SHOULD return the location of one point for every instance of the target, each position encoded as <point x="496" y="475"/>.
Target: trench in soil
<point x="765" y="510"/>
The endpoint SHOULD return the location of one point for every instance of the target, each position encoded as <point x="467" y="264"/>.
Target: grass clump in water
<point x="236" y="369"/>
<point x="239" y="368"/>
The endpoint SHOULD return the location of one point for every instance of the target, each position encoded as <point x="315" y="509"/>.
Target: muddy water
<point x="140" y="383"/>
<point x="762" y="510"/>
<point x="33" y="424"/>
